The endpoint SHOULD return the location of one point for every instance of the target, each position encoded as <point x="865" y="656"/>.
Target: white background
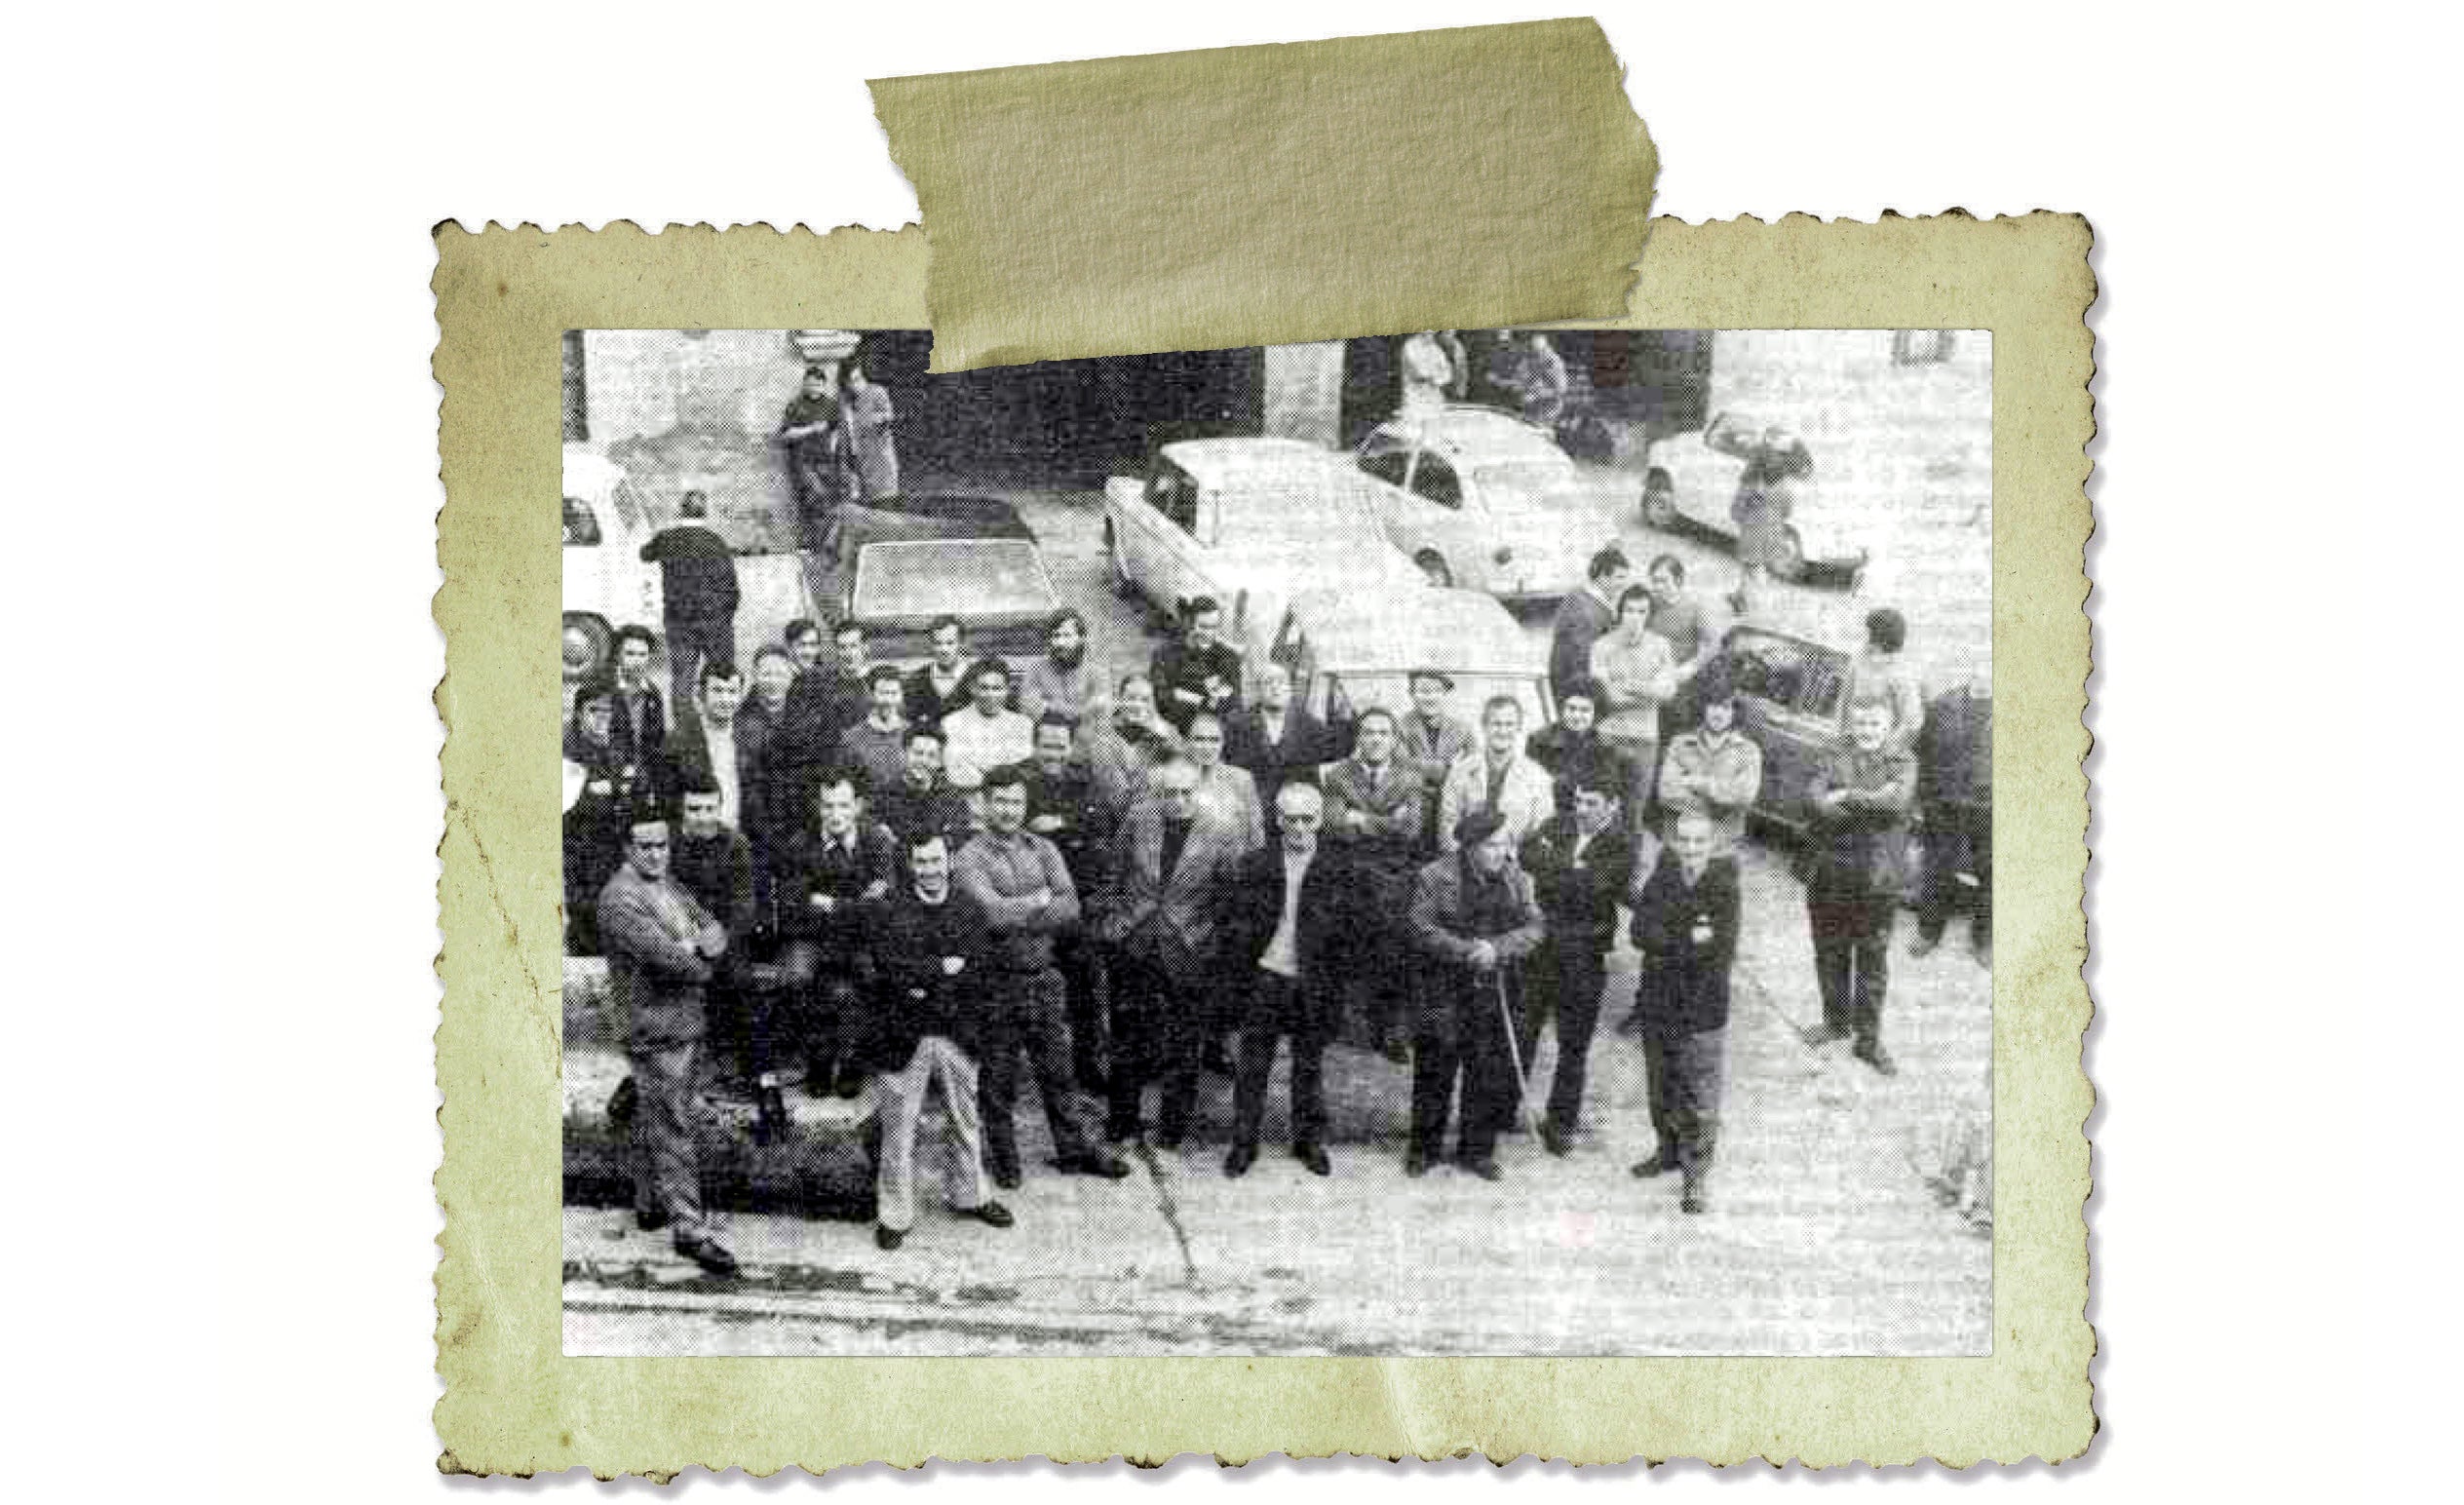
<point x="222" y="558"/>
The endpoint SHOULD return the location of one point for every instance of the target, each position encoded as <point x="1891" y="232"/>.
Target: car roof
<point x="933" y="515"/>
<point x="1477" y="433"/>
<point x="1219" y="462"/>
<point x="1449" y="628"/>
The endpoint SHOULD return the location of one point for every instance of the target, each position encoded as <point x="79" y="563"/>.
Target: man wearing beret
<point x="1474" y="918"/>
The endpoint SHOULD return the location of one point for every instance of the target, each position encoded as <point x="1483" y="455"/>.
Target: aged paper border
<point x="1082" y="209"/>
<point x="513" y="1403"/>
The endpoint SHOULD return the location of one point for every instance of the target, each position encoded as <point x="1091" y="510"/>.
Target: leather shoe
<point x="1485" y="1168"/>
<point x="709" y="1254"/>
<point x="1415" y="1162"/>
<point x="1552" y="1138"/>
<point x="1238" y="1162"/>
<point x="1111" y="1167"/>
<point x="993" y="1213"/>
<point x="1691" y="1200"/>
<point x="887" y="1237"/>
<point x="1872" y="1053"/>
<point x="1649" y="1167"/>
<point x="650" y="1222"/>
<point x="1313" y="1157"/>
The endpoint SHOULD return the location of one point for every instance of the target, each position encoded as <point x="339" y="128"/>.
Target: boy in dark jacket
<point x="1685" y="928"/>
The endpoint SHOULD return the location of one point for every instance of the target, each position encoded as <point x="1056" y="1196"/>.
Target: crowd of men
<point x="921" y="878"/>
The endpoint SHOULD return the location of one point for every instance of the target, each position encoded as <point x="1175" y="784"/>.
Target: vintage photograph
<point x="1476" y="842"/>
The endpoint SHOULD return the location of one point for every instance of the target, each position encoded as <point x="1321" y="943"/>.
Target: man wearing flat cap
<point x="1474" y="918"/>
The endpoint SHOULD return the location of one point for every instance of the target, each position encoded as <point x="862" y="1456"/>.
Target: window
<point x="1433" y="480"/>
<point x="1792" y="676"/>
<point x="1174" y="494"/>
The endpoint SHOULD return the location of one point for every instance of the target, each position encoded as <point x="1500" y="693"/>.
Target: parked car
<point x="605" y="582"/>
<point x="903" y="562"/>
<point x="1478" y="498"/>
<point x="1250" y="523"/>
<point x="1349" y="651"/>
<point x="1690" y="481"/>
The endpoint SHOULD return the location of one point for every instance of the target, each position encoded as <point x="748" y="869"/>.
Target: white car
<point x="1348" y="652"/>
<point x="1250" y="523"/>
<point x="1690" y="485"/>
<point x="607" y="584"/>
<point x="1478" y="498"/>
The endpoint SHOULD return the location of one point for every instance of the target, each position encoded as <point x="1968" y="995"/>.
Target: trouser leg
<point x="1260" y="1029"/>
<point x="669" y="1126"/>
<point x="1835" y="948"/>
<point x="1490" y="1088"/>
<point x="1980" y="857"/>
<point x="1308" y="1092"/>
<point x="1655" y="1077"/>
<point x="897" y="1100"/>
<point x="1081" y="968"/>
<point x="997" y="1081"/>
<point x="962" y="1168"/>
<point x="1580" y="978"/>
<point x="1433" y="1067"/>
<point x="684" y="660"/>
<point x="1946" y="852"/>
<point x="1697" y="1079"/>
<point x="1540" y="1001"/>
<point x="1136" y="1013"/>
<point x="1185" y="1039"/>
<point x="1872" y="964"/>
<point x="1045" y="1034"/>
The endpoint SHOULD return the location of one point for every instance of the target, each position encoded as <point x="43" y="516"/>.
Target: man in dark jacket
<point x="1065" y="808"/>
<point x="1473" y="918"/>
<point x="640" y="729"/>
<point x="1858" y="799"/>
<point x="660" y="947"/>
<point x="927" y="944"/>
<point x="1581" y="865"/>
<point x="1199" y="672"/>
<point x="713" y="862"/>
<point x="1572" y="750"/>
<point x="1376" y="817"/>
<point x="1275" y="740"/>
<point x="1583" y="615"/>
<point x="697" y="579"/>
<point x="1955" y="793"/>
<point x="1290" y="921"/>
<point x="1685" y="928"/>
<point x="922" y="801"/>
<point x="825" y="874"/>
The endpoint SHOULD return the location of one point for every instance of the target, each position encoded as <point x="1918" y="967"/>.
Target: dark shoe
<point x="1692" y="1199"/>
<point x="888" y="1238"/>
<point x="1415" y="1162"/>
<point x="1872" y="1053"/>
<point x="1483" y="1167"/>
<point x="1552" y="1138"/>
<point x="1168" y="1143"/>
<point x="851" y="1086"/>
<point x="1238" y="1162"/>
<point x="1923" y="946"/>
<point x="650" y="1222"/>
<point x="991" y="1214"/>
<point x="620" y="1104"/>
<point x="1648" y="1169"/>
<point x="709" y="1254"/>
<point x="1111" y="1167"/>
<point x="1313" y="1157"/>
<point x="1007" y="1178"/>
<point x="1399" y="1052"/>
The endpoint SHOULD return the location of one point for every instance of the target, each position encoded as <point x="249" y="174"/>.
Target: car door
<point x="1788" y="701"/>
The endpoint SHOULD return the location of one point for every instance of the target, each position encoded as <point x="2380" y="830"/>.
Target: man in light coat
<point x="1498" y="776"/>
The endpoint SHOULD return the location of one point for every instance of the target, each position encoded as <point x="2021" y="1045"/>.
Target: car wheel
<point x="1659" y="501"/>
<point x="1433" y="564"/>
<point x="1788" y="555"/>
<point x="587" y="645"/>
<point x="1122" y="584"/>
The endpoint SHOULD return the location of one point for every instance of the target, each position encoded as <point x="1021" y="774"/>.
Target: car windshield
<point x="1350" y="694"/>
<point x="969" y="578"/>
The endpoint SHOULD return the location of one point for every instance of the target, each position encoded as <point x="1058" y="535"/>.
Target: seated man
<point x="927" y="942"/>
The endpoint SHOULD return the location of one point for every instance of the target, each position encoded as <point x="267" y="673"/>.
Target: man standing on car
<point x="1636" y="672"/>
<point x="1023" y="888"/>
<point x="1199" y="672"/>
<point x="1374" y="816"/>
<point x="660" y="947"/>
<point x="1474" y="921"/>
<point x="1685" y="929"/>
<point x="1581" y="865"/>
<point x="1584" y="615"/>
<point x="1293" y="920"/>
<point x="697" y="581"/>
<point x="1858" y="799"/>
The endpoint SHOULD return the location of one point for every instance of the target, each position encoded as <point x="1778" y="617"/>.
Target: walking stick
<point x="1514" y="1049"/>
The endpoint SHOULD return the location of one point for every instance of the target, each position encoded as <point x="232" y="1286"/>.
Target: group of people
<point x="1518" y="368"/>
<point x="920" y="878"/>
<point x="836" y="441"/>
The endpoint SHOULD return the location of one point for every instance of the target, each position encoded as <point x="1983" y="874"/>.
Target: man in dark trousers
<point x="1173" y="870"/>
<point x="1275" y="740"/>
<point x="1065" y="808"/>
<point x="1858" y="799"/>
<point x="1023" y="888"/>
<point x="1685" y="928"/>
<point x="1474" y="919"/>
<point x="697" y="582"/>
<point x="826" y="873"/>
<point x="1376" y="817"/>
<point x="1291" y="919"/>
<point x="927" y="942"/>
<point x="713" y="862"/>
<point x="1954" y="795"/>
<point x="1581" y="865"/>
<point x="1584" y="615"/>
<point x="1199" y="672"/>
<point x="660" y="947"/>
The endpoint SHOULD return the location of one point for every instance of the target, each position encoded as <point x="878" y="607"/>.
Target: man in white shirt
<point x="987" y="734"/>
<point x="1294" y="910"/>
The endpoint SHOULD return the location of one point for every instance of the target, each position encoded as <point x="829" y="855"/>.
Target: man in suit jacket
<point x="1685" y="928"/>
<point x="1173" y="870"/>
<point x="1581" y="865"/>
<point x="708" y="739"/>
<point x="1275" y="740"/>
<point x="825" y="874"/>
<point x="1291" y="921"/>
<point x="660" y="947"/>
<point x="1860" y="796"/>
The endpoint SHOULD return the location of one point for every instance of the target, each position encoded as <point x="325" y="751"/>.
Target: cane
<point x="1514" y="1049"/>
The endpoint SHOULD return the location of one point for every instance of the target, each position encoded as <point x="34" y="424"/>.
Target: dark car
<point x="899" y="563"/>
